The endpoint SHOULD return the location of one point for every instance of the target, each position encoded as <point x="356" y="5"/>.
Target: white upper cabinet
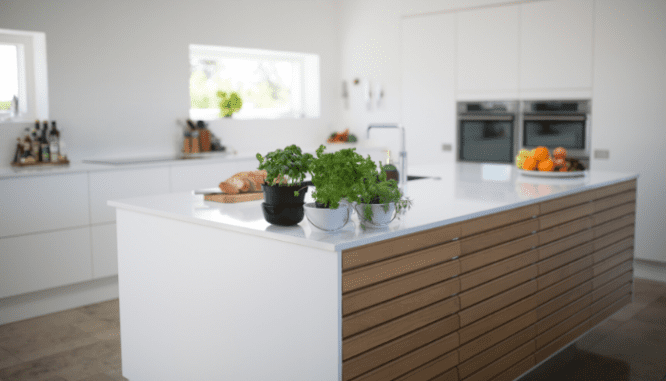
<point x="556" y="45"/>
<point x="428" y="81"/>
<point x="487" y="60"/>
<point x="109" y="185"/>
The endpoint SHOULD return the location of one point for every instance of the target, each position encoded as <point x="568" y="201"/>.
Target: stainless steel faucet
<point x="403" y="150"/>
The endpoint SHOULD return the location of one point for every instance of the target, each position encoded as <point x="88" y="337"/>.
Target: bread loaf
<point x="243" y="182"/>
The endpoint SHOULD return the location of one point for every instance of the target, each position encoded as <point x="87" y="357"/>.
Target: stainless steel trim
<point x="489" y="117"/>
<point x="542" y="117"/>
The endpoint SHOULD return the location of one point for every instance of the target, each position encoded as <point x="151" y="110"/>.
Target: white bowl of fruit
<point x="540" y="162"/>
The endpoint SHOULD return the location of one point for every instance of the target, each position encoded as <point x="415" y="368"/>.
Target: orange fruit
<point x="541" y="153"/>
<point x="559" y="162"/>
<point x="560" y="152"/>
<point x="546" y="165"/>
<point x="530" y="164"/>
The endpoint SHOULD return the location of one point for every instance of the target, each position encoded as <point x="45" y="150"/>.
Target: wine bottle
<point x="34" y="134"/>
<point x="44" y="144"/>
<point x="54" y="143"/>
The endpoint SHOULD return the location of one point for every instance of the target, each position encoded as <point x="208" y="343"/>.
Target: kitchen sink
<point x="410" y="178"/>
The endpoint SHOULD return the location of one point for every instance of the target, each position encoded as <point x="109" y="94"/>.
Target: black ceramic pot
<point x="277" y="195"/>
<point x="284" y="215"/>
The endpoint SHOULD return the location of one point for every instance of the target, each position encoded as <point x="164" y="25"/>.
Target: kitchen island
<point x="489" y="274"/>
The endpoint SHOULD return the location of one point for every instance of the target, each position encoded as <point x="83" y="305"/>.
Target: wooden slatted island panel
<point x="487" y="298"/>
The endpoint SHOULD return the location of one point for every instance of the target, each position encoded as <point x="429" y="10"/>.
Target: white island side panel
<point x="224" y="305"/>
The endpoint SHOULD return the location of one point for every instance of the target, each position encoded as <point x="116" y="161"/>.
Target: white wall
<point x="119" y="70"/>
<point x="629" y="108"/>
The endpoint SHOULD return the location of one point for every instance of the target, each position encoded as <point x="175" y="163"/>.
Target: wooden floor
<point x="83" y="344"/>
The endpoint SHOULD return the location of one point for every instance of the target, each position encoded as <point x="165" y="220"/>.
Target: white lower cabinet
<point x="109" y="185"/>
<point x="104" y="250"/>
<point x="41" y="261"/>
<point x="190" y="177"/>
<point x="42" y="203"/>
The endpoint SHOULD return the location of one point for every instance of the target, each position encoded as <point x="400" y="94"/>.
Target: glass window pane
<point x="8" y="75"/>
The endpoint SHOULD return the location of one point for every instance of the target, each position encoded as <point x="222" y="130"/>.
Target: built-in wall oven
<point x="487" y="131"/>
<point x="557" y="124"/>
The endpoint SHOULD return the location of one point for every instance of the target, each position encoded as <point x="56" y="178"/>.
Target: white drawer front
<point x="190" y="177"/>
<point x="43" y="203"/>
<point x="41" y="261"/>
<point x="109" y="185"/>
<point x="104" y="250"/>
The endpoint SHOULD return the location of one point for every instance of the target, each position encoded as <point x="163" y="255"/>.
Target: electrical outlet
<point x="601" y="154"/>
<point x="447" y="147"/>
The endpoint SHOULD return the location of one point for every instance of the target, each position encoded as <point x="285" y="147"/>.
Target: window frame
<point x="305" y="103"/>
<point x="33" y="81"/>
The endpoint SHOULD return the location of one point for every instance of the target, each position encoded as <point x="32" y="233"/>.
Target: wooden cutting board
<point x="233" y="198"/>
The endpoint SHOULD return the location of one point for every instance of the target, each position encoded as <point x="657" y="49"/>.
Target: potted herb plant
<point x="378" y="199"/>
<point x="334" y="176"/>
<point x="229" y="103"/>
<point x="284" y="191"/>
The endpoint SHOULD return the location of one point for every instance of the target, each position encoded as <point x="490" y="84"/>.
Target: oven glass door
<point x="486" y="140"/>
<point x="547" y="132"/>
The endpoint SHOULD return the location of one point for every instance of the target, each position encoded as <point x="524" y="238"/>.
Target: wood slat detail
<point x="394" y="308"/>
<point x="498" y="236"/>
<point x="497" y="335"/>
<point x="567" y="202"/>
<point x="562" y="340"/>
<point x="496" y="270"/>
<point x="496" y="220"/>
<point x="614" y="225"/>
<point x="482" y="258"/>
<point x="559" y="316"/>
<point x="378" y="272"/>
<point x="565" y="215"/>
<point x="498" y="366"/>
<point x="614" y="200"/>
<point x="611" y="298"/>
<point x="565" y="243"/>
<point x="614" y="189"/>
<point x="412" y="360"/>
<point x="370" y="296"/>
<point x="563" y="327"/>
<point x="516" y="370"/>
<point x="451" y="375"/>
<point x="496" y="319"/>
<point x="616" y="248"/>
<point x="434" y="368"/>
<point x="613" y="213"/>
<point x="561" y="301"/>
<point x="613" y="261"/>
<point x="565" y="257"/>
<point x="557" y="275"/>
<point x="488" y="356"/>
<point x="608" y="311"/>
<point x="384" y="333"/>
<point x="362" y="255"/>
<point x="563" y="286"/>
<point x="611" y="274"/>
<point x="393" y="349"/>
<point x="496" y="303"/>
<point x="492" y="288"/>
<point x="613" y="237"/>
<point x="612" y="285"/>
<point x="564" y="230"/>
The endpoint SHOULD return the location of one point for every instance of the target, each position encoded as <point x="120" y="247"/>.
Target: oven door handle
<point x="489" y="118"/>
<point x="545" y="118"/>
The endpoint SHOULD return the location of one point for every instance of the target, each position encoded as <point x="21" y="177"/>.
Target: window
<point x="23" y="75"/>
<point x="270" y="84"/>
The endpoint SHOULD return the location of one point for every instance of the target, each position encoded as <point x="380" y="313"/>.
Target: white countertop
<point x="81" y="166"/>
<point x="465" y="191"/>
